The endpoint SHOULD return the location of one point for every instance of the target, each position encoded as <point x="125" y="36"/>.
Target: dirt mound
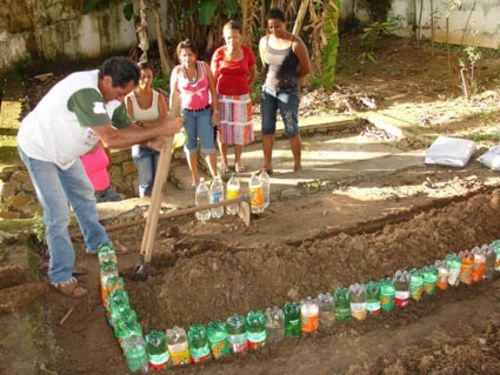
<point x="208" y="280"/>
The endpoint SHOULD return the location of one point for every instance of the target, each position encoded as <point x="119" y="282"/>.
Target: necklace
<point x="195" y="78"/>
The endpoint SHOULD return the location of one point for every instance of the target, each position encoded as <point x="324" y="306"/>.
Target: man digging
<point x="68" y="122"/>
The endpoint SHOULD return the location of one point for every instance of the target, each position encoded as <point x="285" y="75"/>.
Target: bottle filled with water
<point x="202" y="198"/>
<point x="232" y="192"/>
<point x="265" y="182"/>
<point x="216" y="196"/>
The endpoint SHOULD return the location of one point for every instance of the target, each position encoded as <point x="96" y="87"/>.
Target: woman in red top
<point x="234" y="70"/>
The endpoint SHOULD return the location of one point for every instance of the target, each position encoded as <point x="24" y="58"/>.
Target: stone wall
<point x="18" y="198"/>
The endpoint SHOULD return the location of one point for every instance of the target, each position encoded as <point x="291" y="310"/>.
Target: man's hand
<point x="156" y="143"/>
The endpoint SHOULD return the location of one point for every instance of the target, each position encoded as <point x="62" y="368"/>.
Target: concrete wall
<point x="482" y="29"/>
<point x="52" y="29"/>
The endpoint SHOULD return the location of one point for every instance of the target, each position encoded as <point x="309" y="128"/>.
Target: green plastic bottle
<point x="134" y="349"/>
<point x="126" y="329"/>
<point x="373" y="297"/>
<point x="217" y="337"/>
<point x="255" y="324"/>
<point x="106" y="253"/>
<point x="496" y="246"/>
<point x="117" y="300"/>
<point x="237" y="334"/>
<point x="416" y="285"/>
<point x="387" y="294"/>
<point x="292" y="318"/>
<point x="199" y="349"/>
<point x="113" y="283"/>
<point x="431" y="277"/>
<point x="156" y="347"/>
<point x="342" y="305"/>
<point x="120" y="312"/>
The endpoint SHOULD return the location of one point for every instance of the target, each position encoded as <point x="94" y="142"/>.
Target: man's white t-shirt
<point x="59" y="129"/>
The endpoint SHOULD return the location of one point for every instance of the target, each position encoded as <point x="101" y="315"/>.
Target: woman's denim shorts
<point x="199" y="125"/>
<point x="287" y="102"/>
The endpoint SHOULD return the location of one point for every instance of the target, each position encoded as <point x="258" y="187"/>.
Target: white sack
<point x="491" y="158"/>
<point x="452" y="152"/>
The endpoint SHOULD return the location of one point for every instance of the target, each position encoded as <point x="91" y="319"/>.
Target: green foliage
<point x="91" y="5"/>
<point x="472" y="55"/>
<point x="207" y="8"/>
<point x="374" y="31"/>
<point x="128" y="10"/>
<point x="160" y="83"/>
<point x="38" y="228"/>
<point x="329" y="54"/>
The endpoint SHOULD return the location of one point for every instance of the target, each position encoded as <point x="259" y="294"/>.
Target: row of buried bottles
<point x="258" y="186"/>
<point x="239" y="334"/>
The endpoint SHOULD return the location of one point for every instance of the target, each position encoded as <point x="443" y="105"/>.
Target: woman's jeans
<point x="145" y="160"/>
<point x="54" y="188"/>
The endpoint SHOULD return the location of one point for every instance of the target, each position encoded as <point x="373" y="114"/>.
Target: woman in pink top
<point x="95" y="163"/>
<point x="233" y="66"/>
<point x="199" y="106"/>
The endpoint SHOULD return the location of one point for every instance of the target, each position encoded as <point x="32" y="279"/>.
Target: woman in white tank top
<point x="145" y="104"/>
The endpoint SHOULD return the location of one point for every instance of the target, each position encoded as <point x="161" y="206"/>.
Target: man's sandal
<point x="70" y="288"/>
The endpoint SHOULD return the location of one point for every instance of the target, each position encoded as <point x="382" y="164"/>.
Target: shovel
<point x="141" y="270"/>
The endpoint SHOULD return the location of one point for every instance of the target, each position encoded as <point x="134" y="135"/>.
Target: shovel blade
<point x="140" y="272"/>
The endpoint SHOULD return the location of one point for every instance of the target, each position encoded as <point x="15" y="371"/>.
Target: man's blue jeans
<point x="54" y="188"/>
<point x="145" y="160"/>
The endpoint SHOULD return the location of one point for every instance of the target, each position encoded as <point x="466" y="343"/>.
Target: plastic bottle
<point x="373" y="297"/>
<point x="479" y="264"/>
<point x="232" y="192"/>
<point x="256" y="198"/>
<point x="466" y="268"/>
<point x="120" y="312"/>
<point x="326" y="315"/>
<point x="309" y="315"/>
<point x="202" y="198"/>
<point x="402" y="283"/>
<point x="442" y="274"/>
<point x="496" y="246"/>
<point x="416" y="285"/>
<point x="237" y="334"/>
<point x="134" y="349"/>
<point x="217" y="338"/>
<point x="358" y="301"/>
<point x="255" y="324"/>
<point x="387" y="294"/>
<point x="292" y="318"/>
<point x="454" y="263"/>
<point x="431" y="276"/>
<point x="275" y="324"/>
<point x="105" y="253"/>
<point x="117" y="300"/>
<point x="113" y="283"/>
<point x="156" y="347"/>
<point x="107" y="270"/>
<point x="217" y="195"/>
<point x="342" y="305"/>
<point x="265" y="181"/>
<point x="178" y="346"/>
<point x="489" y="265"/>
<point x="126" y="328"/>
<point x="199" y="349"/>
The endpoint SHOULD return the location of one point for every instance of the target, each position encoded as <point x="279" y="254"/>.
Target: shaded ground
<point x="347" y="221"/>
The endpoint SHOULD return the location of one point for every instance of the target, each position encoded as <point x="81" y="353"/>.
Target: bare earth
<point x="365" y="215"/>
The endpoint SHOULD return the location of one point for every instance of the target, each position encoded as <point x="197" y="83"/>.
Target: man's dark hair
<point x="232" y="25"/>
<point x="122" y="70"/>
<point x="143" y="65"/>
<point x="276" y="14"/>
<point x="186" y="44"/>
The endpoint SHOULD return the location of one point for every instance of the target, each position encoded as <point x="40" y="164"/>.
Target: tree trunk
<point x="432" y="28"/>
<point x="299" y="20"/>
<point x="142" y="31"/>
<point x="162" y="48"/>
<point x="247" y="10"/>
